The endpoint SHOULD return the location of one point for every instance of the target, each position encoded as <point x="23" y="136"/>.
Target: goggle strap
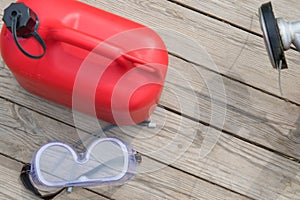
<point x="24" y="176"/>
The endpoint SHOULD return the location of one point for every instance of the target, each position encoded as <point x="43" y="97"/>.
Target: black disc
<point x="272" y="36"/>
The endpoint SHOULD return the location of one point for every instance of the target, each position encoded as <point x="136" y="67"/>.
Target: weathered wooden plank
<point x="238" y="54"/>
<point x="243" y="13"/>
<point x="250" y="114"/>
<point x="80" y="194"/>
<point x="232" y="163"/>
<point x="23" y="131"/>
<point x="159" y="185"/>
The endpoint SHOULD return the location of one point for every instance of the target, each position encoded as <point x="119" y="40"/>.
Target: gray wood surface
<point x="79" y="194"/>
<point x="233" y="164"/>
<point x="23" y="131"/>
<point x="243" y="13"/>
<point x="250" y="114"/>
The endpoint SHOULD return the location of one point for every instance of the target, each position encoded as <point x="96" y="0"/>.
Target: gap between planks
<point x="207" y="14"/>
<point x="241" y="13"/>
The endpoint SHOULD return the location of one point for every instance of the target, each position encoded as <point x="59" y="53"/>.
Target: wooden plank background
<point x="257" y="154"/>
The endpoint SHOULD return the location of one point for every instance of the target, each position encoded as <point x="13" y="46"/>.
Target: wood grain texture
<point x="232" y="163"/>
<point x="79" y="194"/>
<point x="237" y="54"/>
<point x="244" y="13"/>
<point x="160" y="185"/>
<point x="250" y="114"/>
<point x="23" y="131"/>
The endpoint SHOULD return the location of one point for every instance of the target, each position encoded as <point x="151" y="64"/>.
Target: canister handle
<point x="90" y="43"/>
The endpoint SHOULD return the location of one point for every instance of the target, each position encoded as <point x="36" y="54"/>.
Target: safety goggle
<point x="57" y="165"/>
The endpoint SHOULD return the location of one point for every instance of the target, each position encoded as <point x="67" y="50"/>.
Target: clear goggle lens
<point x="105" y="161"/>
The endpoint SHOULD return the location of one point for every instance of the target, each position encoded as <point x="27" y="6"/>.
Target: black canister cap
<point x="27" y="19"/>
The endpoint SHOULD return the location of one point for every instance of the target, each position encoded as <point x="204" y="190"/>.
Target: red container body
<point x="96" y="62"/>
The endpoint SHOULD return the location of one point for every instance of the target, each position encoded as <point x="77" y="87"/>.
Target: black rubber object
<point x="23" y="22"/>
<point x="272" y="36"/>
<point x="24" y="176"/>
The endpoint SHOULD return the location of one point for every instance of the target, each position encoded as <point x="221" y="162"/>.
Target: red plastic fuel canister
<point x="95" y="62"/>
